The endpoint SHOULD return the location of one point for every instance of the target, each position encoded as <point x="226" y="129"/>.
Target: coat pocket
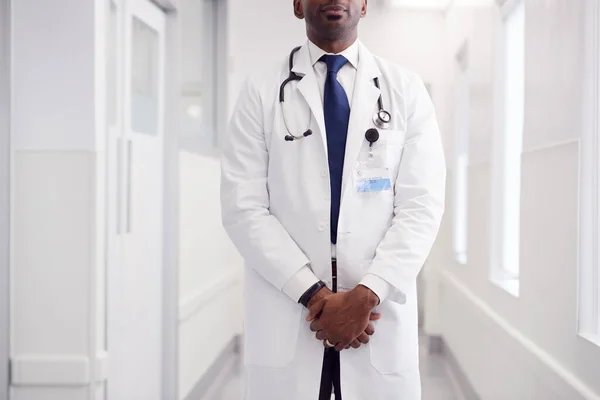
<point x="394" y="348"/>
<point x="272" y="322"/>
<point x="392" y="137"/>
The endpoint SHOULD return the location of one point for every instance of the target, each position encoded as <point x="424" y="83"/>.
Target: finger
<point x="316" y="325"/>
<point x="375" y="316"/>
<point x="347" y="347"/>
<point x="355" y="343"/>
<point x="340" y="343"/>
<point x="340" y="346"/>
<point x="315" y="310"/>
<point x="370" y="329"/>
<point x="321" y="335"/>
<point x="363" y="338"/>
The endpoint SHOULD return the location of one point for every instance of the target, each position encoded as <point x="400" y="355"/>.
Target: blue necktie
<point x="337" y="114"/>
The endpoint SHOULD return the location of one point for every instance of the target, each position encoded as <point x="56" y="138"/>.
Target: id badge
<point x="372" y="180"/>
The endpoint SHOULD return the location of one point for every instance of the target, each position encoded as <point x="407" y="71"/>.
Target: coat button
<point x="324" y="173"/>
<point x="322" y="227"/>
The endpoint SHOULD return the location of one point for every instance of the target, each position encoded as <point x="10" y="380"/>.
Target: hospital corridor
<point x="172" y="184"/>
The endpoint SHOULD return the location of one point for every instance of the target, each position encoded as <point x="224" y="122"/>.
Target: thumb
<point x="315" y="310"/>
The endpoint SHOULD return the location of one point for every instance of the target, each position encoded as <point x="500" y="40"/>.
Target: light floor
<point x="436" y="381"/>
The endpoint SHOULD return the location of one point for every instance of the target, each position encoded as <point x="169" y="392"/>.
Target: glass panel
<point x="144" y="78"/>
<point x="200" y="79"/>
<point x="112" y="66"/>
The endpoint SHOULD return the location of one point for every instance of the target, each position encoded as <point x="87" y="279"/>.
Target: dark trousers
<point x="330" y="374"/>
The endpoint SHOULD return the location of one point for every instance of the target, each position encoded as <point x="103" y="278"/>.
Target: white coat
<point x="276" y="208"/>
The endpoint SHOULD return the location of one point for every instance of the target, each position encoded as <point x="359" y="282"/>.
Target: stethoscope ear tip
<point x="289" y="138"/>
<point x="308" y="133"/>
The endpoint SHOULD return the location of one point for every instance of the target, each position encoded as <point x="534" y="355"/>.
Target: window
<point x="145" y="79"/>
<point x="461" y="159"/>
<point x="589" y="262"/>
<point x="507" y="149"/>
<point x="203" y="69"/>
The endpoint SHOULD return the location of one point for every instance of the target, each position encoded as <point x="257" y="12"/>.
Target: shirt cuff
<point x="378" y="285"/>
<point x="300" y="283"/>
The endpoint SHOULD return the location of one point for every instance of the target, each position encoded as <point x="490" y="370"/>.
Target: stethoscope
<point x="381" y="118"/>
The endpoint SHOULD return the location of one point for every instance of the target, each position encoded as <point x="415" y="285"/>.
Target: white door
<point x="135" y="170"/>
<point x="4" y="197"/>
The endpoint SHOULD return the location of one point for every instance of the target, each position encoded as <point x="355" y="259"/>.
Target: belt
<point x="334" y="276"/>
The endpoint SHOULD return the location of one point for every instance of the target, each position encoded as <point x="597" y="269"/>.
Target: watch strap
<point x="305" y="298"/>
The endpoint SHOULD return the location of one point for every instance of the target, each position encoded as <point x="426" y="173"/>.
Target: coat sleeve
<point x="260" y="238"/>
<point x="418" y="197"/>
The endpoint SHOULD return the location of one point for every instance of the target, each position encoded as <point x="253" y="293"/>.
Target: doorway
<point x="4" y="197"/>
<point x="135" y="198"/>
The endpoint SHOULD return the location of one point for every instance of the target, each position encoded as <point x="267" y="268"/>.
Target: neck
<point x="334" y="46"/>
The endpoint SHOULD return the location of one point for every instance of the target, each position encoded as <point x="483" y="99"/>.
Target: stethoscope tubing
<point x="381" y="119"/>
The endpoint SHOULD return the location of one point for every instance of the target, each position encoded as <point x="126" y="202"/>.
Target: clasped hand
<point x="343" y="318"/>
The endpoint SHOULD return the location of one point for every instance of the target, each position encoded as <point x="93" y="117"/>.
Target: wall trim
<point x="58" y="370"/>
<point x="530" y="150"/>
<point x="551" y="145"/>
<point x="543" y="356"/>
<point x="218" y="373"/>
<point x="196" y="302"/>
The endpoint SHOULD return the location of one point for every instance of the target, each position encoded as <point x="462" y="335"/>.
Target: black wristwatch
<point x="305" y="298"/>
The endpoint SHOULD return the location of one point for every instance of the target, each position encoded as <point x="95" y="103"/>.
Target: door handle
<point x="128" y="188"/>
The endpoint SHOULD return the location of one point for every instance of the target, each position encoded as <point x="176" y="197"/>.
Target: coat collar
<point x="364" y="103"/>
<point x="351" y="53"/>
<point x="365" y="63"/>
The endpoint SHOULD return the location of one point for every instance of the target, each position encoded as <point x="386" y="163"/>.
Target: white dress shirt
<point x="305" y="278"/>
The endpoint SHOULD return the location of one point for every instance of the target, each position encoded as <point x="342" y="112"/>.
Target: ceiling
<point x="423" y="4"/>
<point x="431" y="4"/>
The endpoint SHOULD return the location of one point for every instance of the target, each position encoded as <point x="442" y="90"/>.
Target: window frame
<point x="588" y="321"/>
<point x="503" y="277"/>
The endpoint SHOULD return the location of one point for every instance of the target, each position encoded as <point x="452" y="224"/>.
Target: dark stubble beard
<point x="333" y="32"/>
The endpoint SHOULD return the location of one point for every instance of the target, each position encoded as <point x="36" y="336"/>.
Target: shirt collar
<point x="351" y="53"/>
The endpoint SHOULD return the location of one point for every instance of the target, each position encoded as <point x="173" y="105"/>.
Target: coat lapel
<point x="309" y="89"/>
<point x="364" y="105"/>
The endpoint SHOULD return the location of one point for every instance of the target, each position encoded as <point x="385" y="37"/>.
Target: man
<point x="333" y="181"/>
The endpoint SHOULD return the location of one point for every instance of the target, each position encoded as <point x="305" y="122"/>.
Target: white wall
<point x="526" y="347"/>
<point x="259" y="36"/>
<point x="4" y="194"/>
<point x="413" y="39"/>
<point x="57" y="266"/>
<point x="210" y="272"/>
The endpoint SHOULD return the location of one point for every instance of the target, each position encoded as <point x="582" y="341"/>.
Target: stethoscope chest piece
<point x="382" y="119"/>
